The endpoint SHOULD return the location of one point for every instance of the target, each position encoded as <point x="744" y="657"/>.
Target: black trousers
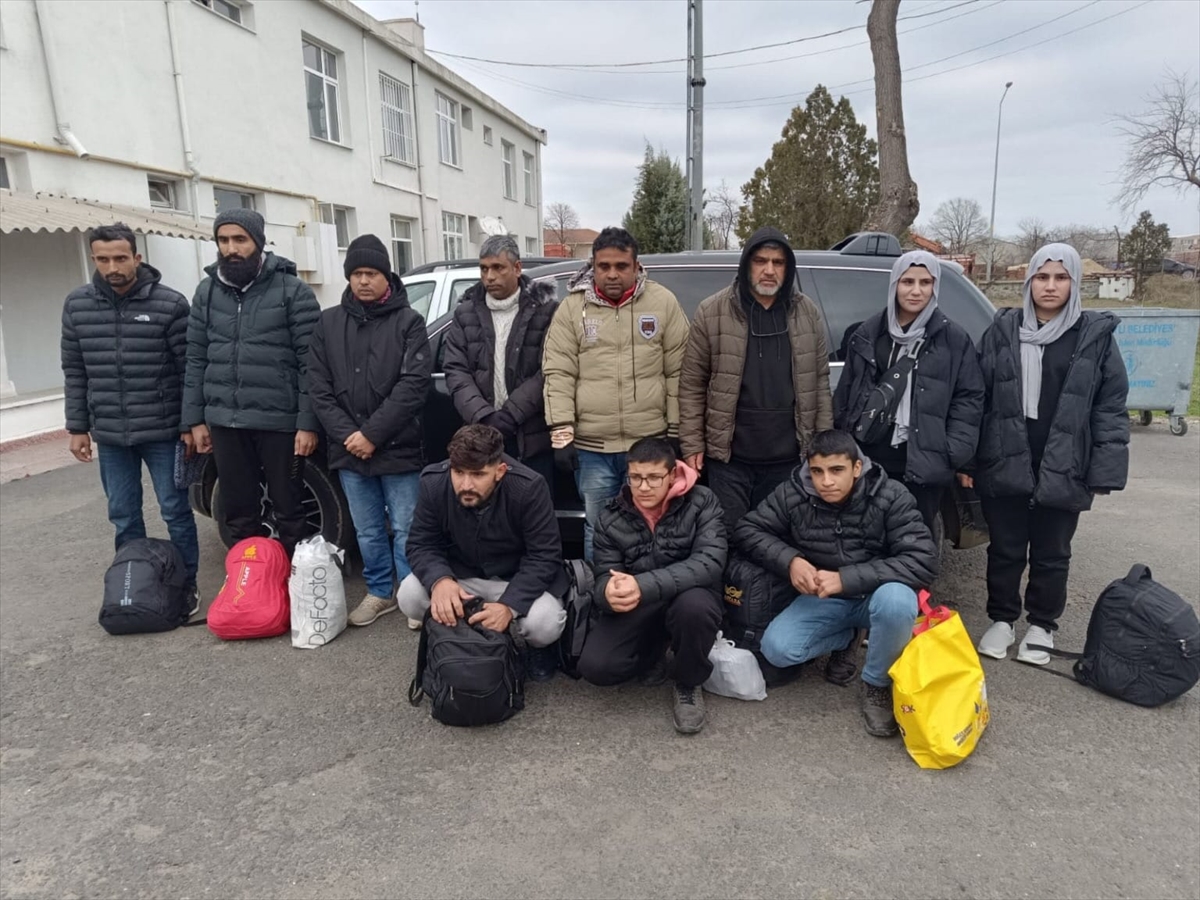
<point x="1018" y="530"/>
<point x="621" y="646"/>
<point x="929" y="501"/>
<point x="542" y="463"/>
<point x="248" y="457"/>
<point x="742" y="486"/>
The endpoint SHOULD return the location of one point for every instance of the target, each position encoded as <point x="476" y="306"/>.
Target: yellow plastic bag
<point x="938" y="690"/>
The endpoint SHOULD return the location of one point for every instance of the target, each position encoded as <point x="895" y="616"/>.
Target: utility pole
<point x="694" y="228"/>
<point x="995" y="176"/>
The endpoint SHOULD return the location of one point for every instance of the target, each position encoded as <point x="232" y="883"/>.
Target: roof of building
<point x="572" y="235"/>
<point x="924" y="243"/>
<point x="48" y="212"/>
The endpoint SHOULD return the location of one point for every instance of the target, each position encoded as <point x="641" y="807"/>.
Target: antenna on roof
<point x="417" y="10"/>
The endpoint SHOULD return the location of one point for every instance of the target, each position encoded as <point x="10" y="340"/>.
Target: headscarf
<point x="1035" y="338"/>
<point x="910" y="341"/>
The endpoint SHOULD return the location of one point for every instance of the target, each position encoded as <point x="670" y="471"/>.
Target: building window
<point x="487" y="135"/>
<point x="162" y="193"/>
<point x="448" y="137"/>
<point x="467" y="118"/>
<point x="531" y="247"/>
<point x="396" y="101"/>
<point x="321" y="88"/>
<point x="339" y="218"/>
<point x="454" y="242"/>
<point x="402" y="246"/>
<point x="530" y="192"/>
<point x="4" y="182"/>
<point x="507" y="150"/>
<point x="226" y="199"/>
<point x="227" y="9"/>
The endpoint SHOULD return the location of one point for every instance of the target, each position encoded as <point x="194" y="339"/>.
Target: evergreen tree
<point x="658" y="216"/>
<point x="1144" y="248"/>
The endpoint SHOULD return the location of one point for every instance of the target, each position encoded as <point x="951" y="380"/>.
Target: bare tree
<point x="958" y="225"/>
<point x="721" y="213"/>
<point x="1164" y="142"/>
<point x="560" y="218"/>
<point x="898" y="203"/>
<point x="1033" y="233"/>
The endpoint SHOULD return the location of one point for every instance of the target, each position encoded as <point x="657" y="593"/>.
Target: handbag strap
<point x="930" y="615"/>
<point x="416" y="691"/>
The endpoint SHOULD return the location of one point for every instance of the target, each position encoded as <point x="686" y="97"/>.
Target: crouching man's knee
<point x="544" y="623"/>
<point x="412" y="598"/>
<point x="894" y="602"/>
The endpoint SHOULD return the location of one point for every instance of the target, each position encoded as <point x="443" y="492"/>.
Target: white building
<point x="163" y="112"/>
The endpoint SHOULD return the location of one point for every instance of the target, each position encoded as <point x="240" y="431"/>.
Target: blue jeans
<point x="121" y="475"/>
<point x="376" y="501"/>
<point x="813" y="627"/>
<point x="598" y="479"/>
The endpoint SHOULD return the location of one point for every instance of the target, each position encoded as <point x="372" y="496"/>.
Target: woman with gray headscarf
<point x="1055" y="434"/>
<point x="937" y="421"/>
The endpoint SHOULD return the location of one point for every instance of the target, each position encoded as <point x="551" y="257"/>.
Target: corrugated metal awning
<point x="47" y="212"/>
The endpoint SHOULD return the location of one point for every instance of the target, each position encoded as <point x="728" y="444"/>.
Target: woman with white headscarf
<point x="937" y="420"/>
<point x="1055" y="434"/>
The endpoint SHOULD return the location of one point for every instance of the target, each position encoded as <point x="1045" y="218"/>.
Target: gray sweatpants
<point x="540" y="628"/>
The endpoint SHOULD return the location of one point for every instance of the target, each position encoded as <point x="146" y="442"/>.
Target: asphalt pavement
<point x="177" y="765"/>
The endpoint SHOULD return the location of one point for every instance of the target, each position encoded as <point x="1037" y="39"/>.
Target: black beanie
<point x="246" y="219"/>
<point x="367" y="252"/>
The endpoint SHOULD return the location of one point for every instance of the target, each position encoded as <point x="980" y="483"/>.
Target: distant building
<point x="574" y="242"/>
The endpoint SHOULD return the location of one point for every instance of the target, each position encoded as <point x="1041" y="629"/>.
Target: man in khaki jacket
<point x="755" y="382"/>
<point x="611" y="366"/>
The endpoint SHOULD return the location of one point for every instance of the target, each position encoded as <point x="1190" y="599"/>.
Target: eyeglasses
<point x="652" y="481"/>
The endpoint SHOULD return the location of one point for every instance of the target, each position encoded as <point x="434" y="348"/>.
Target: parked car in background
<point x="848" y="283"/>
<point x="1175" y="267"/>
<point x="435" y="288"/>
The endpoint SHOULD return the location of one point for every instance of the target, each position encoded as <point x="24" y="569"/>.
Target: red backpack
<point x="253" y="601"/>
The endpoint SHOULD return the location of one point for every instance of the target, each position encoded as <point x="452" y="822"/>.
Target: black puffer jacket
<point x="876" y="536"/>
<point x="1088" y="446"/>
<point x="514" y="537"/>
<point x="368" y="371"/>
<point x="687" y="548"/>
<point x="469" y="362"/>
<point x="123" y="360"/>
<point x="947" y="396"/>
<point x="247" y="364"/>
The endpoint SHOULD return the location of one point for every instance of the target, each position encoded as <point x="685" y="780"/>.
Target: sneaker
<point x="996" y="640"/>
<point x="877" y="710"/>
<point x="192" y="593"/>
<point x="371" y="608"/>
<point x="415" y="624"/>
<point x="541" y="663"/>
<point x="656" y="674"/>
<point x="842" y="665"/>
<point x="689" y="709"/>
<point x="1036" y="636"/>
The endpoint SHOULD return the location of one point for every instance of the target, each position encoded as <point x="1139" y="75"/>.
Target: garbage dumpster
<point x="1159" y="348"/>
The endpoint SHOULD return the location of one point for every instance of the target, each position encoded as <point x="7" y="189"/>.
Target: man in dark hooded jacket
<point x="754" y="387"/>
<point x="368" y="374"/>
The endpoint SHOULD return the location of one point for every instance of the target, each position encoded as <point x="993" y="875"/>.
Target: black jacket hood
<point x="762" y="236"/>
<point x="397" y="301"/>
<point x="147" y="277"/>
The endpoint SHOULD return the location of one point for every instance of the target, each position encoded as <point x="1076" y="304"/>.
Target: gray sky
<point x="1059" y="151"/>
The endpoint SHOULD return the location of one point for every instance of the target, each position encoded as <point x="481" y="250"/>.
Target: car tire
<point x="324" y="504"/>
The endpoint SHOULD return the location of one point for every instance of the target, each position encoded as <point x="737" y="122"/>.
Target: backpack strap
<point x="191" y="622"/>
<point x="1138" y="572"/>
<point x="415" y="690"/>
<point x="1061" y="654"/>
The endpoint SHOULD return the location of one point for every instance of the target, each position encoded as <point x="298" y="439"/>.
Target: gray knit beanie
<point x="246" y="219"/>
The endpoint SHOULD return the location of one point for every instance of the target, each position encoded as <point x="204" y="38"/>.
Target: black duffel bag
<point x="753" y="597"/>
<point x="144" y="589"/>
<point x="581" y="610"/>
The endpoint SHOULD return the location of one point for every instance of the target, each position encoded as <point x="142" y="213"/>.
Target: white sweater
<point x="504" y="313"/>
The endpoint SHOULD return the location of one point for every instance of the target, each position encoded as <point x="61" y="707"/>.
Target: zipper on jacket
<point x="121" y="369"/>
<point x="837" y="535"/>
<point x="237" y="351"/>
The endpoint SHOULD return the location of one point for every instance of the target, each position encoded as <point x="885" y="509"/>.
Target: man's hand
<point x="306" y="443"/>
<point x="562" y="436"/>
<point x="202" y="438"/>
<point x="696" y="461"/>
<point x="359" y="445"/>
<point x="81" y="447"/>
<point x="966" y="480"/>
<point x="829" y="584"/>
<point x="189" y="442"/>
<point x="446" y="601"/>
<point x="803" y="575"/>
<point x="622" y="592"/>
<point x="496" y="616"/>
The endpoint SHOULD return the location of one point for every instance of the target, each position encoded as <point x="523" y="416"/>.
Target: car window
<point x="459" y="287"/>
<point x="692" y="285"/>
<point x="964" y="305"/>
<point x="848" y="297"/>
<point x="420" y="295"/>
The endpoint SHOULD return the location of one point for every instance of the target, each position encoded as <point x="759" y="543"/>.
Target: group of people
<point x="614" y="385"/>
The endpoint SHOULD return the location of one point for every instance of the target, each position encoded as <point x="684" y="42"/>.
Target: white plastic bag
<point x="317" y="594"/>
<point x="735" y="672"/>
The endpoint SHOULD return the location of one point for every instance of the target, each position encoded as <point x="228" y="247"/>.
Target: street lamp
<point x="995" y="173"/>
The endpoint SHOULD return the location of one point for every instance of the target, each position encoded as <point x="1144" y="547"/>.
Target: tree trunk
<point x="898" y="203"/>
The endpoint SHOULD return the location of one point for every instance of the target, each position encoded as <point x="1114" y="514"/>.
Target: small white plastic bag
<point x="735" y="672"/>
<point x="317" y="594"/>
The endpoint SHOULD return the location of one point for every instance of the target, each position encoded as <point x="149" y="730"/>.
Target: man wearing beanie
<point x="246" y="388"/>
<point x="368" y="374"/>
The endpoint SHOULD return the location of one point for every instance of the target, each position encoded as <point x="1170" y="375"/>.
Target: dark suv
<point x="848" y="283"/>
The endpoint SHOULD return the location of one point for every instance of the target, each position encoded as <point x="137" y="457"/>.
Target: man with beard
<point x="246" y="395"/>
<point x="754" y="387"/>
<point x="124" y="349"/>
<point x="484" y="527"/>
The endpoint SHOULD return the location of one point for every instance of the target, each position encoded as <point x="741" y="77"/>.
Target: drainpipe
<point x="185" y="134"/>
<point x="422" y="218"/>
<point x="65" y="135"/>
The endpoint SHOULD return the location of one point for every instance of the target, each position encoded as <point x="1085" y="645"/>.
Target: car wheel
<point x="325" y="510"/>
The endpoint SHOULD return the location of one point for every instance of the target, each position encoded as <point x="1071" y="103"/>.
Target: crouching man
<point x="852" y="543"/>
<point x="484" y="527"/>
<point x="659" y="555"/>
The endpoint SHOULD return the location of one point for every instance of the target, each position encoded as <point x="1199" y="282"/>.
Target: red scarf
<point x="624" y="298"/>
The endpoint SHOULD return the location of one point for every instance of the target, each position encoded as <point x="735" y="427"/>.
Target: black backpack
<point x="883" y="402"/>
<point x="753" y="597"/>
<point x="472" y="675"/>
<point x="1143" y="642"/>
<point x="580" y="608"/>
<point x="144" y="589"/>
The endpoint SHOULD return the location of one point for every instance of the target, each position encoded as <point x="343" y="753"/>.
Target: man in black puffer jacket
<point x="660" y="554"/>
<point x="124" y="349"/>
<point x="493" y="356"/>
<point x="852" y="543"/>
<point x="246" y="395"/>
<point x="368" y="374"/>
